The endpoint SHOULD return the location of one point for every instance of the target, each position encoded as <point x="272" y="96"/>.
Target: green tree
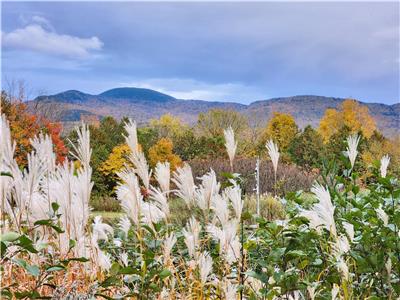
<point x="306" y="149"/>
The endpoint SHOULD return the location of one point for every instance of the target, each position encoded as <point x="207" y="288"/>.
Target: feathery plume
<point x="131" y="137"/>
<point x="44" y="149"/>
<point x="129" y="195"/>
<point x="229" y="290"/>
<point x="388" y="266"/>
<point x="207" y="191"/>
<point x="228" y="240"/>
<point x="230" y="144"/>
<point x="273" y="153"/>
<point x="136" y="156"/>
<point x="343" y="268"/>
<point x="385" y="160"/>
<point x="234" y="194"/>
<point x="124" y="258"/>
<point x="124" y="225"/>
<point x="324" y="208"/>
<point x="141" y="167"/>
<point x="168" y="244"/>
<point x="335" y="291"/>
<point x="100" y="229"/>
<point x="83" y="152"/>
<point x="160" y="200"/>
<point x="349" y="230"/>
<point x="183" y="179"/>
<point x="220" y="207"/>
<point x="191" y="233"/>
<point x="352" y="144"/>
<point x="382" y="215"/>
<point x="104" y="260"/>
<point x="205" y="266"/>
<point x="162" y="175"/>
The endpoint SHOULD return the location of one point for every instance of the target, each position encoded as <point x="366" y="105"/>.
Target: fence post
<point x="257" y="174"/>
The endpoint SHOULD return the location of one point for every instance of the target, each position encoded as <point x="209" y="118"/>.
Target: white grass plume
<point x="141" y="167"/>
<point x="205" y="266"/>
<point x="44" y="149"/>
<point x="228" y="240"/>
<point x="160" y="200"/>
<point x="382" y="215"/>
<point x="124" y="225"/>
<point x="192" y="236"/>
<point x="385" y="160"/>
<point x="183" y="179"/>
<point x="230" y="144"/>
<point x="168" y="244"/>
<point x="136" y="156"/>
<point x="100" y="229"/>
<point x="234" y="194"/>
<point x="208" y="190"/>
<point x="273" y="153"/>
<point x="82" y="150"/>
<point x="163" y="176"/>
<point x="131" y="137"/>
<point x="351" y="151"/>
<point x="129" y="195"/>
<point x="322" y="213"/>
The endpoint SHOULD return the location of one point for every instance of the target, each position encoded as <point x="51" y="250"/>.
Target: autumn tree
<point x="378" y="146"/>
<point x="306" y="149"/>
<point x="24" y="126"/>
<point x="213" y="122"/>
<point x="162" y="151"/>
<point x="115" y="162"/>
<point x="350" y="114"/>
<point x="281" y="128"/>
<point x="168" y="126"/>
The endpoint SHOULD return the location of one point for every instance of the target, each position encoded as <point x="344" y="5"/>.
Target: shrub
<point x="271" y="208"/>
<point x="289" y="178"/>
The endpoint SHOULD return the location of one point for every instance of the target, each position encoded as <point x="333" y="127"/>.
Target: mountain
<point x="145" y="104"/>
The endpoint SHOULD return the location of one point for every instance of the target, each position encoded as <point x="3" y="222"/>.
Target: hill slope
<point x="145" y="104"/>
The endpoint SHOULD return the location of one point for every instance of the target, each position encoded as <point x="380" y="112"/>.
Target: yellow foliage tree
<point x="282" y="128"/>
<point x="162" y="152"/>
<point x="117" y="159"/>
<point x="379" y="146"/>
<point x="351" y="114"/>
<point x="168" y="126"/>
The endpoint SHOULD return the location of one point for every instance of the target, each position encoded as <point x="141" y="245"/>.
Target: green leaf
<point x="33" y="270"/>
<point x="55" y="268"/>
<point x="10" y="236"/>
<point x="114" y="268"/>
<point x="27" y="244"/>
<point x="128" y="271"/>
<point x="260" y="276"/>
<point x="55" y="206"/>
<point x="3" y="249"/>
<point x="8" y="174"/>
<point x="164" y="274"/>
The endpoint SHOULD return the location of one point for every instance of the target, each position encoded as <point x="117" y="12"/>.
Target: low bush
<point x="290" y="178"/>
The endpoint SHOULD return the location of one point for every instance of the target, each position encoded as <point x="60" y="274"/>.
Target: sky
<point x="225" y="51"/>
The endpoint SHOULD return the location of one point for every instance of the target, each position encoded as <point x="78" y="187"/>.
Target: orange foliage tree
<point x="24" y="126"/>
<point x="162" y="152"/>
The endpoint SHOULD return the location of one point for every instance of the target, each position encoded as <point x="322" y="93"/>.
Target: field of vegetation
<point x="225" y="209"/>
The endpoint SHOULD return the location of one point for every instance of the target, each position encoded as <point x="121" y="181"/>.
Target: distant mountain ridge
<point x="145" y="104"/>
